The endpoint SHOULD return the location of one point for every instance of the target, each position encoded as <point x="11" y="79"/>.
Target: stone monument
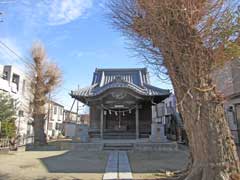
<point x="157" y="126"/>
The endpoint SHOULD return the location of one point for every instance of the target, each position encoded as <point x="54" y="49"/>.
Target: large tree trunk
<point x="173" y="35"/>
<point x="38" y="127"/>
<point x="211" y="145"/>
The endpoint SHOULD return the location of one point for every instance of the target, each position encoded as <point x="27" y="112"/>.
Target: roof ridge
<point x="119" y="69"/>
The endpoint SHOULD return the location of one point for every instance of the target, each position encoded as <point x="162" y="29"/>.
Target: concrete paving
<point x="111" y="171"/>
<point x="118" y="167"/>
<point x="124" y="169"/>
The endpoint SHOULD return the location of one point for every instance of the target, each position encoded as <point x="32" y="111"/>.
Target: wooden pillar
<point x="137" y="122"/>
<point x="101" y="125"/>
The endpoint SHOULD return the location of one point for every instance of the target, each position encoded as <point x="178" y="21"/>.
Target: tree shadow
<point x="76" y="162"/>
<point x="158" y="162"/>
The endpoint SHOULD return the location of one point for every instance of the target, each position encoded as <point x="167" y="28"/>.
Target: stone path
<point x="118" y="166"/>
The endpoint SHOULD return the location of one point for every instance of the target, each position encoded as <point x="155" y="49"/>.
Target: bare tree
<point x="190" y="38"/>
<point x="46" y="77"/>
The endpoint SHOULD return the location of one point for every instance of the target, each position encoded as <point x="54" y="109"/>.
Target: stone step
<point x="119" y="137"/>
<point x="117" y="149"/>
<point x="118" y="146"/>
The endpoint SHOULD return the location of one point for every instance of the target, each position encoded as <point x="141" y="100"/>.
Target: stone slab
<point x="124" y="169"/>
<point x="118" y="166"/>
<point x="111" y="170"/>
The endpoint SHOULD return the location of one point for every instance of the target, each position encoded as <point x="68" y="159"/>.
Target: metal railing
<point x="7" y="144"/>
<point x="4" y="144"/>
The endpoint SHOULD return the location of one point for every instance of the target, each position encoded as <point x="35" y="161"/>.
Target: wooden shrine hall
<point x="120" y="102"/>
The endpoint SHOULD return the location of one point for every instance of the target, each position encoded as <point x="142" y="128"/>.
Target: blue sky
<point x="76" y="34"/>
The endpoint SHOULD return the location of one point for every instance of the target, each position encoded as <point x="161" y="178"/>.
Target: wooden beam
<point x="137" y="122"/>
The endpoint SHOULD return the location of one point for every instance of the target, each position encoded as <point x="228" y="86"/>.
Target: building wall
<point x="17" y="84"/>
<point x="1" y="70"/>
<point x="223" y="78"/>
<point x="236" y="76"/>
<point x="84" y="119"/>
<point x="227" y="80"/>
<point x="230" y="107"/>
<point x="54" y="123"/>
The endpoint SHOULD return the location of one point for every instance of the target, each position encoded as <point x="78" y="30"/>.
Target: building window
<point x="20" y="113"/>
<point x="15" y="79"/>
<point x="61" y="111"/>
<point x="5" y="75"/>
<point x="55" y="109"/>
<point x="58" y="126"/>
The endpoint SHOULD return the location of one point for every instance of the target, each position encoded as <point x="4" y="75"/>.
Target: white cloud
<point x="65" y="11"/>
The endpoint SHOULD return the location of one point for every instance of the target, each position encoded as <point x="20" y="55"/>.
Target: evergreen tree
<point x="7" y="116"/>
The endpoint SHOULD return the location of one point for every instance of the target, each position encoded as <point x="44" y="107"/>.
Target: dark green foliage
<point x="8" y="128"/>
<point x="7" y="116"/>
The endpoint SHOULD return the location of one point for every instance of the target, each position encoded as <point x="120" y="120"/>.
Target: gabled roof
<point x="136" y="80"/>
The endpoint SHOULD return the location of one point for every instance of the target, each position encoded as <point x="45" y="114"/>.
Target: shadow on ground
<point x="76" y="162"/>
<point x="6" y="177"/>
<point x="155" y="162"/>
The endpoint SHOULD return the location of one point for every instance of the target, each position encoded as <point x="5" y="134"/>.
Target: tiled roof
<point x="133" y="79"/>
<point x="133" y="76"/>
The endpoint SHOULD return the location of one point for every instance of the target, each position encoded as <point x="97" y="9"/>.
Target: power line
<point x="16" y="54"/>
<point x="6" y="46"/>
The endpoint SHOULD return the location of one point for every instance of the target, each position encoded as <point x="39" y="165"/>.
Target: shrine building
<point x="120" y="102"/>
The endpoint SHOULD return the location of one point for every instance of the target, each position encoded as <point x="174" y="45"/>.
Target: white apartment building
<point x="16" y="83"/>
<point x="54" y="120"/>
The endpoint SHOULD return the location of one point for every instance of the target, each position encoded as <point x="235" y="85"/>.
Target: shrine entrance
<point x="119" y="120"/>
<point x="120" y="123"/>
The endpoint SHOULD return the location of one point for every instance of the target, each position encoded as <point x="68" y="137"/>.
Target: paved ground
<point x="78" y="165"/>
<point x="118" y="166"/>
<point x="152" y="165"/>
<point x="53" y="165"/>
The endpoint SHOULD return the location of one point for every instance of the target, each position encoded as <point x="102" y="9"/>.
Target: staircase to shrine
<point x="118" y="146"/>
<point x="119" y="135"/>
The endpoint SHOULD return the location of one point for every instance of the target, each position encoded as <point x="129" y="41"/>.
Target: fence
<point x="21" y="141"/>
<point x="4" y="144"/>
